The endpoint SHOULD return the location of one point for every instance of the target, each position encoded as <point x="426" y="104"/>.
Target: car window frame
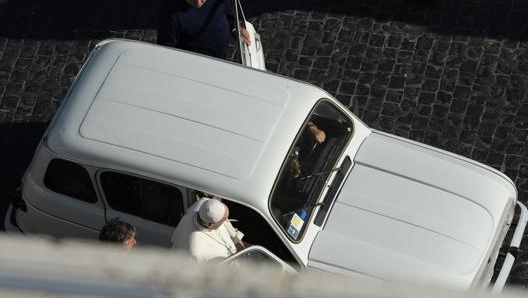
<point x="89" y="176"/>
<point x="310" y="220"/>
<point x="274" y="260"/>
<point x="185" y="191"/>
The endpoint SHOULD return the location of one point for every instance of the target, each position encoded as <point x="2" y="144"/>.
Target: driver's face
<point x="196" y="3"/>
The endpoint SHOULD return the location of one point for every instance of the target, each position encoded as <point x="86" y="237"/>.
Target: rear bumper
<point x="504" y="272"/>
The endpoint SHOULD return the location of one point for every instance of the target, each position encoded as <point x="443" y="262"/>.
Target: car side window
<point x="141" y="197"/>
<point x="70" y="179"/>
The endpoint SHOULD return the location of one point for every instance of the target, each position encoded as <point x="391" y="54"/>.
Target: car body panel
<point x="54" y="206"/>
<point x="38" y="222"/>
<point x="424" y="213"/>
<point x="159" y="111"/>
<point x="404" y="210"/>
<point x="95" y="117"/>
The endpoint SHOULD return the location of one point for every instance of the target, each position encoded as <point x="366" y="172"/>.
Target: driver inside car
<point x="302" y="154"/>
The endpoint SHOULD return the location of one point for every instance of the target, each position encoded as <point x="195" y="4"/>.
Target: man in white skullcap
<point x="206" y="233"/>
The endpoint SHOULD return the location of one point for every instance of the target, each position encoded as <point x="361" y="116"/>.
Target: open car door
<point x="252" y="55"/>
<point x="258" y="254"/>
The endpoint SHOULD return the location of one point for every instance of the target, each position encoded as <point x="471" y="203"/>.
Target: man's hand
<point x="318" y="135"/>
<point x="240" y="245"/>
<point x="245" y="35"/>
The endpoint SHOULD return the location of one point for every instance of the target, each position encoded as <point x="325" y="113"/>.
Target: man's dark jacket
<point x="206" y="30"/>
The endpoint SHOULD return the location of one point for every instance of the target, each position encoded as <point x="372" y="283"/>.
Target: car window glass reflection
<point x="309" y="163"/>
<point x="142" y="197"/>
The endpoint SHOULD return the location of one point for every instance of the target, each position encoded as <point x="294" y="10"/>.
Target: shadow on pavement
<point x="87" y="19"/>
<point x="82" y="19"/>
<point x="487" y="18"/>
<point x="18" y="142"/>
<point x="17" y="145"/>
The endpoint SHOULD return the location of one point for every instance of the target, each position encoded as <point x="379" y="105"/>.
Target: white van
<point x="144" y="128"/>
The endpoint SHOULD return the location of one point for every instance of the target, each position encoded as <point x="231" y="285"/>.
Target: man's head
<point x="196" y="3"/>
<point x="213" y="213"/>
<point x="118" y="231"/>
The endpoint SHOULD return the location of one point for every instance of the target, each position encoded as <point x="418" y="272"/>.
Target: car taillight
<point x="15" y="197"/>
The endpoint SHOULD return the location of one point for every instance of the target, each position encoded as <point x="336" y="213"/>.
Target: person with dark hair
<point x="118" y="231"/>
<point x="201" y="26"/>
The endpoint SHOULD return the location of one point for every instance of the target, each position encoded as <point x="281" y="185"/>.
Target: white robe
<point x="204" y="244"/>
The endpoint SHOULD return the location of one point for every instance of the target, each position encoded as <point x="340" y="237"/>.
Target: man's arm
<point x="231" y="19"/>
<point x="230" y="15"/>
<point x="236" y="235"/>
<point x="318" y="135"/>
<point x="168" y="29"/>
<point x="197" y="250"/>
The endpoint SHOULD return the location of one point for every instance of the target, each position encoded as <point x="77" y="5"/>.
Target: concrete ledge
<point x="34" y="267"/>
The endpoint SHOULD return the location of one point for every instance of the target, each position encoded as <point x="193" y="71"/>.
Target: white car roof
<point x="182" y="117"/>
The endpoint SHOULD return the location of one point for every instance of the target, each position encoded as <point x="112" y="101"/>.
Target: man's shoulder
<point x="184" y="228"/>
<point x="175" y="6"/>
<point x="196" y="206"/>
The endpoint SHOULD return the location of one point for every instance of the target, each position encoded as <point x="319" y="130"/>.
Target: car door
<point x="252" y="55"/>
<point x="64" y="199"/>
<point x="152" y="207"/>
<point x="258" y="254"/>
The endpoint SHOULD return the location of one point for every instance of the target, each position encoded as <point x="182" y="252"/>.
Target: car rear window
<point x="70" y="179"/>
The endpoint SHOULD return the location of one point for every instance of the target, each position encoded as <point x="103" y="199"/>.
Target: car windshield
<point x="311" y="160"/>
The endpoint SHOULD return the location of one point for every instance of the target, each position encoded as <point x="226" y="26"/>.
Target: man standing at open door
<point x="202" y="26"/>
<point x="207" y="26"/>
<point x="251" y="54"/>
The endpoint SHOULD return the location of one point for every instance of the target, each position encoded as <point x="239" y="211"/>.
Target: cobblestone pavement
<point x="450" y="73"/>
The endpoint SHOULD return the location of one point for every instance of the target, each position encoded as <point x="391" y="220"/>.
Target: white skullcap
<point x="212" y="211"/>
